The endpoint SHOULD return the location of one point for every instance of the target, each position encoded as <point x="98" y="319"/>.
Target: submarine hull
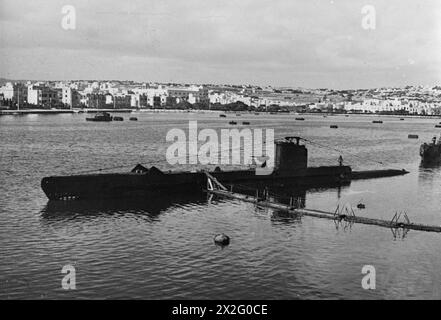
<point x="133" y="184"/>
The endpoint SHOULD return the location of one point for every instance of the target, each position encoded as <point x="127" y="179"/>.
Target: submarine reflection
<point x="286" y="194"/>
<point x="149" y="208"/>
<point x="428" y="172"/>
<point x="430" y="164"/>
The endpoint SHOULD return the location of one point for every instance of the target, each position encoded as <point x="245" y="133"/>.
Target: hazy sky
<point x="307" y="43"/>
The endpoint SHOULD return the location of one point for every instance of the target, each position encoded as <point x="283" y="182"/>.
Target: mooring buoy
<point x="361" y="206"/>
<point x="222" y="239"/>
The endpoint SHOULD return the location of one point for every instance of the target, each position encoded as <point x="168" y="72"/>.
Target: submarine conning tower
<point x="290" y="155"/>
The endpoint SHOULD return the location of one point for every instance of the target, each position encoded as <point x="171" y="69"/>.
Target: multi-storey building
<point x="191" y="94"/>
<point x="70" y="97"/>
<point x="15" y="93"/>
<point x="42" y="96"/>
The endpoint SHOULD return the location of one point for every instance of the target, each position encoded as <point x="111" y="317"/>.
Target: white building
<point x="70" y="97"/>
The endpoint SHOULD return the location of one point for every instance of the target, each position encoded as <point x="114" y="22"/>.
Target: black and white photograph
<point x="242" y="152"/>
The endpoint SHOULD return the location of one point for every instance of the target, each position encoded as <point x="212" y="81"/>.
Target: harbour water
<point x="163" y="248"/>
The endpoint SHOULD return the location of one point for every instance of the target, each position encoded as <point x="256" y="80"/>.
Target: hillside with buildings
<point x="413" y="100"/>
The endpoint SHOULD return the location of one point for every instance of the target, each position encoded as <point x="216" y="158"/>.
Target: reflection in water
<point x="284" y="217"/>
<point x="430" y="164"/>
<point x="150" y="206"/>
<point x="428" y="171"/>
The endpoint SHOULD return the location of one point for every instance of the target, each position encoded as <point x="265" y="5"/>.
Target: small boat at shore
<point x="118" y="119"/>
<point x="101" y="117"/>
<point x="333" y="126"/>
<point x="377" y="121"/>
<point x="133" y="119"/>
<point x="245" y="122"/>
<point x="232" y="122"/>
<point x="412" y="136"/>
<point x="223" y="115"/>
<point x="300" y="119"/>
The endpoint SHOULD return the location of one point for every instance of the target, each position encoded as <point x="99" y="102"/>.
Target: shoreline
<point x="264" y="113"/>
<point x="61" y="111"/>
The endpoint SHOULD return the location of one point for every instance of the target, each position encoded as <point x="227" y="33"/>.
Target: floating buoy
<point x="222" y="239"/>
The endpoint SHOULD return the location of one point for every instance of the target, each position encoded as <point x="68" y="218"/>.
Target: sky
<point x="296" y="43"/>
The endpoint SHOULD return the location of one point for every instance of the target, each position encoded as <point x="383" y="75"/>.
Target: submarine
<point x="290" y="168"/>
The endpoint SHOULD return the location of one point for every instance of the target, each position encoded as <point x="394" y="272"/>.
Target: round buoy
<point x="222" y="239"/>
<point x="361" y="206"/>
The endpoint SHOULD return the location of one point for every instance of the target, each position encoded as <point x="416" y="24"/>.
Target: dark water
<point x="163" y="247"/>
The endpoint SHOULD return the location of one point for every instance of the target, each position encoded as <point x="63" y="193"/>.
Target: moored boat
<point x="101" y="117"/>
<point x="431" y="152"/>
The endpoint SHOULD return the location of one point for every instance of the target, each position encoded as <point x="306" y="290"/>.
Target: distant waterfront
<point x="129" y="110"/>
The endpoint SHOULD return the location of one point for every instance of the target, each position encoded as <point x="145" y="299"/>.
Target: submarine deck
<point x="117" y="185"/>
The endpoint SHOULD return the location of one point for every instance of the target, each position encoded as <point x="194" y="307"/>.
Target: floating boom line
<point x="340" y="214"/>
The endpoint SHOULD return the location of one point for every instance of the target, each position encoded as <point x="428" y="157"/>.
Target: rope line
<point x="230" y="150"/>
<point x="342" y="151"/>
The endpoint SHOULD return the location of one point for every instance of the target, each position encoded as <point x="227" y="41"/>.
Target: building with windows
<point x="70" y="97"/>
<point x="42" y="96"/>
<point x="14" y="93"/>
